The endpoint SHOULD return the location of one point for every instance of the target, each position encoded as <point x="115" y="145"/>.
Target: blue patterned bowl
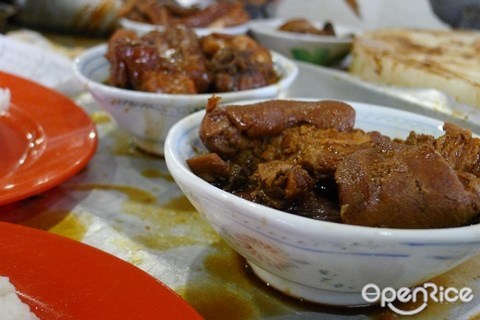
<point x="319" y="261"/>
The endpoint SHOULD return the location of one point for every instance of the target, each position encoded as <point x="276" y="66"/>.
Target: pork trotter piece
<point x="402" y="186"/>
<point x="231" y="129"/>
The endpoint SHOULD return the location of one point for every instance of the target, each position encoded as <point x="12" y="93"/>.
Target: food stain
<point x="40" y="212"/>
<point x="60" y="222"/>
<point x="124" y="146"/>
<point x="180" y="203"/>
<point x="133" y="194"/>
<point x="135" y="252"/>
<point x="230" y="290"/>
<point x="226" y="303"/>
<point x="220" y="294"/>
<point x="171" y="225"/>
<point x="226" y="289"/>
<point x="100" y="117"/>
<point x="229" y="278"/>
<point x="154" y="173"/>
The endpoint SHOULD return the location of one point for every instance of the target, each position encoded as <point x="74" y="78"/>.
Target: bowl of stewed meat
<point x="327" y="199"/>
<point x="148" y="82"/>
<point x="229" y="17"/>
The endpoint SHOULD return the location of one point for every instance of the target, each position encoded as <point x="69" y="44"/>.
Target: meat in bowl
<point x="308" y="158"/>
<point x="177" y="61"/>
<point x="217" y="14"/>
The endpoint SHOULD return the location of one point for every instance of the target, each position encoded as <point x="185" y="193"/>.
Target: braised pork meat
<point x="403" y="186"/>
<point x="169" y="61"/>
<point x="169" y="13"/>
<point x="237" y="62"/>
<point x="457" y="146"/>
<point x="230" y="130"/>
<point x="280" y="153"/>
<point x="308" y="158"/>
<point x="177" y="61"/>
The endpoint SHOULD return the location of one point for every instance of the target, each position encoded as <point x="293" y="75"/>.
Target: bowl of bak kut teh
<point x="149" y="82"/>
<point x="323" y="198"/>
<point x="228" y="17"/>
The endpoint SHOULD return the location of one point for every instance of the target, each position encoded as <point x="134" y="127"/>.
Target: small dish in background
<point x="317" y="49"/>
<point x="225" y="17"/>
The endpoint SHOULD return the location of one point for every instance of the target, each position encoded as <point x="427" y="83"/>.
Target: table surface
<point x="126" y="203"/>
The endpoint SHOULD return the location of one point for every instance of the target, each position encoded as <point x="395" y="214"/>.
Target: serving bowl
<point x="316" y="49"/>
<point x="148" y="116"/>
<point x="141" y="28"/>
<point x="319" y="261"/>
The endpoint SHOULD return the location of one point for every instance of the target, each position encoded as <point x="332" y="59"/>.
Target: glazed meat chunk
<point x="168" y="13"/>
<point x="176" y="61"/>
<point x="169" y="61"/>
<point x="282" y="147"/>
<point x="147" y="11"/>
<point x="230" y="130"/>
<point x="402" y="186"/>
<point x="457" y="146"/>
<point x="216" y="15"/>
<point x="318" y="151"/>
<point x="237" y="62"/>
<point x="307" y="158"/>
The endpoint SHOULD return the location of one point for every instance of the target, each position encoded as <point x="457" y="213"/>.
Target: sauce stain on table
<point x="100" y="117"/>
<point x="457" y="278"/>
<point x="170" y="225"/>
<point x="133" y="194"/>
<point x="224" y="287"/>
<point x="37" y="212"/>
<point x="154" y="173"/>
<point x="59" y="222"/>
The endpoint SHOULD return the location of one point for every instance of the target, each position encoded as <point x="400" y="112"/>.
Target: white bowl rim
<point x="101" y="49"/>
<point x="469" y="234"/>
<point x="268" y="27"/>
<point x="145" y="27"/>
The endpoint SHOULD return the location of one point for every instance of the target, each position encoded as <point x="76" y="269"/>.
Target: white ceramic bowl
<point x="149" y="116"/>
<point x="320" y="50"/>
<point x="141" y="28"/>
<point x="319" y="261"/>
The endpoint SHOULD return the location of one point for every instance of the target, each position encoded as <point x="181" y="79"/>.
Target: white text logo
<point x="428" y="292"/>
